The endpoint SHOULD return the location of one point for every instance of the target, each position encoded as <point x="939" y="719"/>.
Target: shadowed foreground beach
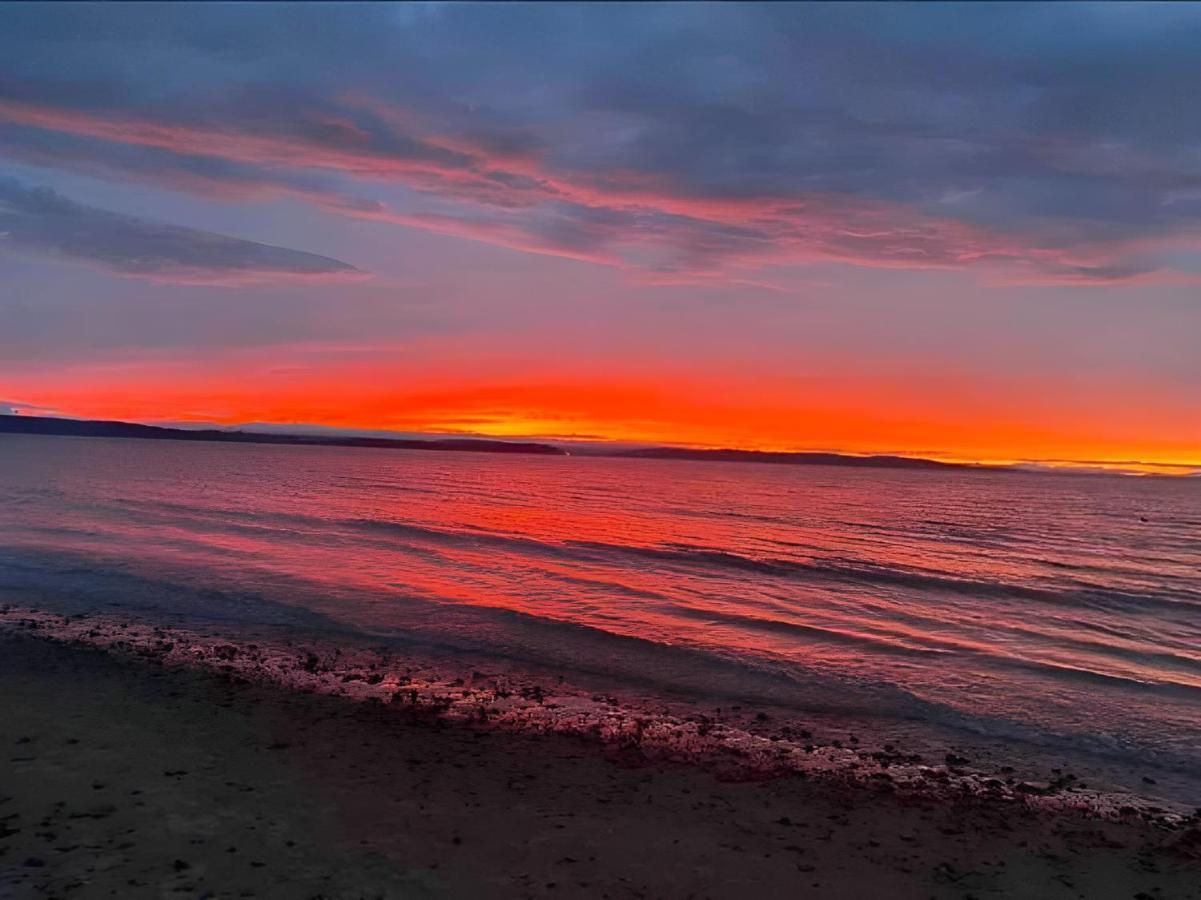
<point x="123" y="778"/>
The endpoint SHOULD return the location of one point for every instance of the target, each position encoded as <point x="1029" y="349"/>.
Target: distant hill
<point x="10" y="424"/>
<point x="92" y="428"/>
<point x="789" y="459"/>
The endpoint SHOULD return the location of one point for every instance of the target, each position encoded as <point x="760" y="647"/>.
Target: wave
<point x="942" y="648"/>
<point x="238" y="603"/>
<point x="881" y="703"/>
<point x="865" y="573"/>
<point x="824" y="633"/>
<point x="419" y="536"/>
<point x="1074" y="592"/>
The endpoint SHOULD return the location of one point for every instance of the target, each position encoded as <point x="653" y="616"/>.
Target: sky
<point x="961" y="231"/>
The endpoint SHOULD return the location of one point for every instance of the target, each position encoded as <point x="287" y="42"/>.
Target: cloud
<point x="634" y="222"/>
<point x="40" y="220"/>
<point x="16" y="408"/>
<point x="683" y="143"/>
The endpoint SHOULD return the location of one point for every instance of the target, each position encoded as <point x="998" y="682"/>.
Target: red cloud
<point x="632" y="221"/>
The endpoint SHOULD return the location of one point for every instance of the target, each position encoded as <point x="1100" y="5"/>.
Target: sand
<point x="121" y="777"/>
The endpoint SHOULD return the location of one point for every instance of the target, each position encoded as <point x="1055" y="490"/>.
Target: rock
<point x="1031" y="787"/>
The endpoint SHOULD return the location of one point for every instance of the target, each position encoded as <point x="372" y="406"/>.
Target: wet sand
<point x="120" y="777"/>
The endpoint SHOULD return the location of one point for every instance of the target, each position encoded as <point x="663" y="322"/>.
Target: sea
<point x="1053" y="612"/>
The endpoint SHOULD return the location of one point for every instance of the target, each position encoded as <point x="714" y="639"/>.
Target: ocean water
<point x="1062" y="611"/>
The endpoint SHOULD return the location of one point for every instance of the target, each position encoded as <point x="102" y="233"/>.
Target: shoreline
<point x="158" y="761"/>
<point x="123" y="777"/>
<point x="733" y="743"/>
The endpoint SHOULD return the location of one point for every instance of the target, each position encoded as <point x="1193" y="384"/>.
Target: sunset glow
<point x="600" y="450"/>
<point x="423" y="220"/>
<point x="853" y="417"/>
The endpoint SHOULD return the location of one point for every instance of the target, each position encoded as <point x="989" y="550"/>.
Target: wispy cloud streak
<point x="40" y="220"/>
<point x="626" y="220"/>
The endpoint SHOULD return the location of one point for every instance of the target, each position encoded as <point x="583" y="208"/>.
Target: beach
<point x="124" y="776"/>
<point x="321" y="672"/>
<point x="1038" y="614"/>
<point x="686" y="450"/>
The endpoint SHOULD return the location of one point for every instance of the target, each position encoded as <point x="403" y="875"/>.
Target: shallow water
<point x="1062" y="609"/>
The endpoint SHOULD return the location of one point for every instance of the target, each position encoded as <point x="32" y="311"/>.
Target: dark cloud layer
<point x="41" y="220"/>
<point x="1054" y="143"/>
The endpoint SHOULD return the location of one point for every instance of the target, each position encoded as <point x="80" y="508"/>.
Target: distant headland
<point x="790" y="459"/>
<point x="51" y="425"/>
<point x="48" y="425"/>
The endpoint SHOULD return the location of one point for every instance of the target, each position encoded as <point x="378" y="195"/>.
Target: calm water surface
<point x="1064" y="609"/>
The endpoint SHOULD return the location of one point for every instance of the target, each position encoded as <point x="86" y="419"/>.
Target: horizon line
<point x="1128" y="467"/>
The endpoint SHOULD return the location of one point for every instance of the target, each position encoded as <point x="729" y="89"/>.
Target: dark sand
<point x="123" y="778"/>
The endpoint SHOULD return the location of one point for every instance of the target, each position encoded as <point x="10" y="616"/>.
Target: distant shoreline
<point x="61" y="427"/>
<point x="770" y="457"/>
<point x="52" y="426"/>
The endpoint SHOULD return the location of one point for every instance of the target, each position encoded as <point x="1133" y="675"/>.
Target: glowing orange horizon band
<point x="863" y="419"/>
